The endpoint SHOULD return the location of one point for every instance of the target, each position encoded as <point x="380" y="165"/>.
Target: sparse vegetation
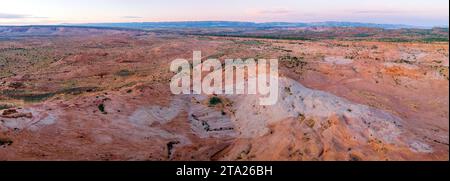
<point x="206" y="126"/>
<point x="133" y="71"/>
<point x="251" y="42"/>
<point x="30" y="96"/>
<point x="288" y="90"/>
<point x="375" y="34"/>
<point x="297" y="64"/>
<point x="170" y="147"/>
<point x="101" y="107"/>
<point x="362" y="35"/>
<point x="5" y="142"/>
<point x="214" y="101"/>
<point x="310" y="122"/>
<point x="16" y="85"/>
<point x="124" y="73"/>
<point x="26" y="96"/>
<point x="5" y="106"/>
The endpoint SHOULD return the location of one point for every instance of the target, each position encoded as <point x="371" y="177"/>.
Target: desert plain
<point x="79" y="93"/>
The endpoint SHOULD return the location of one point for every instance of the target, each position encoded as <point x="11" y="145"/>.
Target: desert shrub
<point x="37" y="97"/>
<point x="291" y="62"/>
<point x="170" y="147"/>
<point x="5" y="141"/>
<point x="398" y="40"/>
<point x="435" y="39"/>
<point x="5" y="106"/>
<point x="101" y="107"/>
<point x="77" y="90"/>
<point x="16" y="85"/>
<point x="214" y="101"/>
<point x="362" y="35"/>
<point x="124" y="73"/>
<point x="41" y="96"/>
<point x="251" y="42"/>
<point x="27" y="96"/>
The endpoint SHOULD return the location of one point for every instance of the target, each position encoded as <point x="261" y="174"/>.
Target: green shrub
<point x="214" y="101"/>
<point x="124" y="73"/>
<point x="101" y="107"/>
<point x="5" y="106"/>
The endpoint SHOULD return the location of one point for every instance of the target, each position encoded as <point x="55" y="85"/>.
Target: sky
<point x="410" y="12"/>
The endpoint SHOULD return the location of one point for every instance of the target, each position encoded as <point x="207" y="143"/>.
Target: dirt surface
<point x="88" y="94"/>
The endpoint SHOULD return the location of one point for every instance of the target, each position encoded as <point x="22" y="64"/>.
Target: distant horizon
<point x="261" y="22"/>
<point x="425" y="13"/>
<point x="181" y="21"/>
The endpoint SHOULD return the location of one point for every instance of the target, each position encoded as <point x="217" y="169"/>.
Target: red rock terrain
<point x="89" y="94"/>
